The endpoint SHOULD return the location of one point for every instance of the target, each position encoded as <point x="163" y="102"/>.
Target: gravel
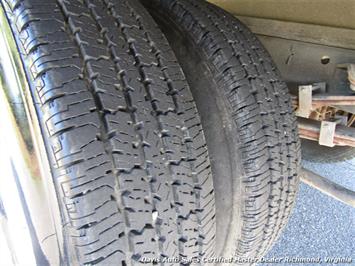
<point x="320" y="226"/>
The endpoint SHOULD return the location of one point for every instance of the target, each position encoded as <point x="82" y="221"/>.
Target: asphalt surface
<point x="320" y="226"/>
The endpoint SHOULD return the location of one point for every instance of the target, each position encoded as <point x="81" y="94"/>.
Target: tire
<point x="247" y="116"/>
<point x="313" y="152"/>
<point x="121" y="129"/>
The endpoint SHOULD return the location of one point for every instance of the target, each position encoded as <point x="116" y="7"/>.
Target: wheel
<point x="122" y="134"/>
<point x="313" y="152"/>
<point x="247" y="116"/>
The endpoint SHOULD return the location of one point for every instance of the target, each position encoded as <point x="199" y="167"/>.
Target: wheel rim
<point x="29" y="213"/>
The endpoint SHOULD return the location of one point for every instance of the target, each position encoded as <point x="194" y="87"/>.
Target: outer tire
<point x="121" y="129"/>
<point x="313" y="152"/>
<point x="247" y="116"/>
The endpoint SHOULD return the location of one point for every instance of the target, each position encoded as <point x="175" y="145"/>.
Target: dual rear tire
<point x="128" y="154"/>
<point x="138" y="175"/>
<point x="248" y="120"/>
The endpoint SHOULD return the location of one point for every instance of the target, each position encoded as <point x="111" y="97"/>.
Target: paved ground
<point x="320" y="226"/>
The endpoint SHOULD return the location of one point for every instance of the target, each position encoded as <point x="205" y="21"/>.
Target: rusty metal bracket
<point x="351" y="76"/>
<point x="304" y="101"/>
<point x="305" y="98"/>
<point x="327" y="133"/>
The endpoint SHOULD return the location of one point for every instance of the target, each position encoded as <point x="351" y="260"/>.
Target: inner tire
<point x="247" y="115"/>
<point x="122" y="133"/>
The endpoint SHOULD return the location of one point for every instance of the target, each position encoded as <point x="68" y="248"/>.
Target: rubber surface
<point x="313" y="152"/>
<point x="122" y="131"/>
<point x="228" y="70"/>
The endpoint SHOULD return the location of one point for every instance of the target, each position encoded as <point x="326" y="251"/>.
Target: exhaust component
<point x="328" y="187"/>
